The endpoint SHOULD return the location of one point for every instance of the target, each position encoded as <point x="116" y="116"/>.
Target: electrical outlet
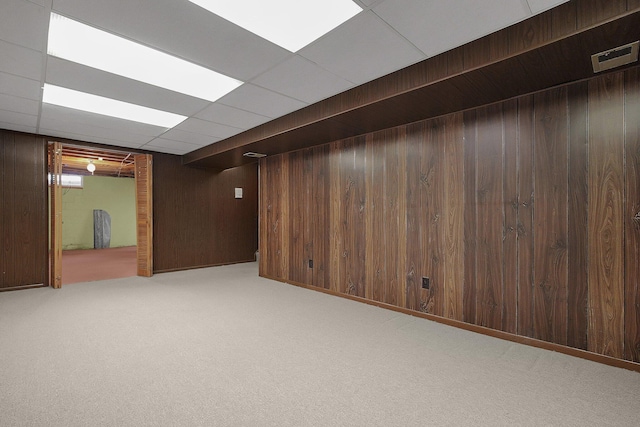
<point x="310" y="263"/>
<point x="425" y="283"/>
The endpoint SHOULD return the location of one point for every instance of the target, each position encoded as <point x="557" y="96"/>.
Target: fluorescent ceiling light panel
<point x="69" y="98"/>
<point x="77" y="42"/>
<point x="291" y="24"/>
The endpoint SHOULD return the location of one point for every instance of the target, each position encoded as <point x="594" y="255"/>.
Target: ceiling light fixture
<point x="91" y="167"/>
<point x="291" y="24"/>
<point x="69" y="98"/>
<point x="77" y="42"/>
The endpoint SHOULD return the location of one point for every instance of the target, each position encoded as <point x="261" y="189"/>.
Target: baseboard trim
<point x="583" y="354"/>
<point x="19" y="288"/>
<point x="169" y="270"/>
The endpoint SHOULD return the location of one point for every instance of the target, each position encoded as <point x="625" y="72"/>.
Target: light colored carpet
<point x="221" y="346"/>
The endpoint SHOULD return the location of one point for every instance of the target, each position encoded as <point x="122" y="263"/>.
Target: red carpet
<point x="88" y="265"/>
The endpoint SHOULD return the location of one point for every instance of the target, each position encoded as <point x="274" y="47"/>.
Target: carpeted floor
<point x="89" y="265"/>
<point x="221" y="346"/>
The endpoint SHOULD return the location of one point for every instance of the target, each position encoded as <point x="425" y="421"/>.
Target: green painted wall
<point x="117" y="196"/>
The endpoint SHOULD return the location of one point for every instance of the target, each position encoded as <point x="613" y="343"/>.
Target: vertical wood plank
<point x="510" y="232"/>
<point x="402" y="217"/>
<point x="490" y="217"/>
<point x="294" y="228"/>
<point x="526" y="135"/>
<point x="307" y="235"/>
<point x="454" y="216"/>
<point x="263" y="197"/>
<point x="606" y="219"/>
<point x="335" y="201"/>
<point x="391" y="217"/>
<point x="432" y="218"/>
<point x="470" y="217"/>
<point x="144" y="214"/>
<point x="633" y="4"/>
<point x="321" y="203"/>
<point x="376" y="248"/>
<point x="413" y="265"/>
<point x="577" y="257"/>
<point x="632" y="215"/>
<point x="10" y="218"/>
<point x="550" y="216"/>
<point x="352" y="227"/>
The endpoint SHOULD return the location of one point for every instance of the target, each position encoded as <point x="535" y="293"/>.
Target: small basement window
<point x="70" y="181"/>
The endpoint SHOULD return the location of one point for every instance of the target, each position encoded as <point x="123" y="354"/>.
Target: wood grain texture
<point x="469" y="295"/>
<point x="432" y="217"/>
<point x="453" y="199"/>
<point x="262" y="212"/>
<point x="413" y="264"/>
<point x="550" y="216"/>
<point x="490" y="217"/>
<point x="320" y="215"/>
<point x="510" y="209"/>
<point x="55" y="194"/>
<point x="391" y="223"/>
<point x="578" y="203"/>
<point x="294" y="230"/>
<point x="197" y="220"/>
<point x="632" y="216"/>
<point x="526" y="206"/>
<point x="335" y="219"/>
<point x="375" y="245"/>
<point x="144" y="214"/>
<point x="307" y="229"/>
<point x="606" y="219"/>
<point x="23" y="221"/>
<point x="593" y="11"/>
<point x="453" y="217"/>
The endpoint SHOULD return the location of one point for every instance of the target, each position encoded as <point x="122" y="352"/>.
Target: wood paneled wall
<point x="23" y="211"/>
<point x="524" y="215"/>
<point x="197" y="221"/>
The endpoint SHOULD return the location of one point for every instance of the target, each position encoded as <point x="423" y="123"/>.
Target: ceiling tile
<point x="18" y="119"/>
<point x="89" y="124"/>
<point x="190" y="137"/>
<point x="261" y="101"/>
<point x="19" y="105"/>
<point x="207" y="128"/>
<point x="183" y="29"/>
<point x="86" y="79"/>
<point x="169" y="146"/>
<point x="17" y="128"/>
<point x="230" y="116"/>
<point x="362" y="49"/>
<point x="303" y="80"/>
<point x="175" y="151"/>
<point x="19" y="86"/>
<point x="437" y="26"/>
<point x="538" y="6"/>
<point x="24" y="23"/>
<point x="20" y="61"/>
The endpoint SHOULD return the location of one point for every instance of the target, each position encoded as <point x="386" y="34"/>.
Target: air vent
<point x="254" y="155"/>
<point x="616" y="57"/>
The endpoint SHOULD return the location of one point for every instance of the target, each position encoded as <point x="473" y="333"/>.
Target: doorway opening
<point x="101" y="228"/>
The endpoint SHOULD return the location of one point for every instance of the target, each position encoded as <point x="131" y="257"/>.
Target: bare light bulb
<point x="91" y="168"/>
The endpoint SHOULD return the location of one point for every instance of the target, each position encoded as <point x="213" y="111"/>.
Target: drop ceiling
<point x="386" y="36"/>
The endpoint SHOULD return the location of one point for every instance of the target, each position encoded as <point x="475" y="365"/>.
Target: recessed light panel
<point x="291" y="24"/>
<point x="77" y="42"/>
<point x="69" y="98"/>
